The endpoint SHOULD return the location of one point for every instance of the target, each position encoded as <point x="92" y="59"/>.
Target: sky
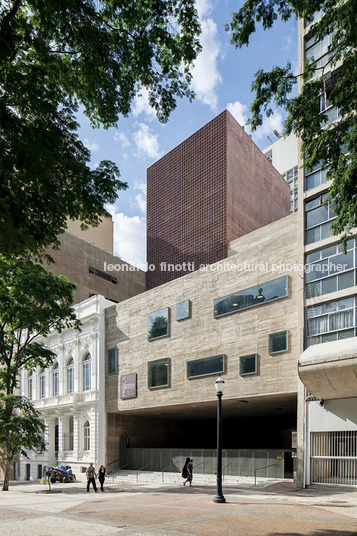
<point x="222" y="78"/>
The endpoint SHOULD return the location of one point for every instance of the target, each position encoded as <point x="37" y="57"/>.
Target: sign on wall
<point x="128" y="386"/>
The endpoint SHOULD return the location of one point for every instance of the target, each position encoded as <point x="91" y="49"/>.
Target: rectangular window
<point x="112" y="361"/>
<point x="42" y="386"/>
<point x="206" y="366"/>
<point x="158" y="373"/>
<point x="258" y="295"/>
<point x="29" y="388"/>
<point x="55" y="383"/>
<point x="331" y="321"/>
<point x="70" y="379"/>
<point x="183" y="310"/>
<point x="318" y="219"/>
<point x="248" y="364"/>
<point x="103" y="275"/>
<point x="278" y="342"/>
<point x="158" y="324"/>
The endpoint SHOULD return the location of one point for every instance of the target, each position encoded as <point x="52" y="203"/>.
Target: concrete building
<point x="283" y="153"/>
<point x="205" y="193"/>
<point x="71" y="395"/>
<point x="327" y="401"/>
<point x="237" y="318"/>
<point x="101" y="236"/>
<point x="87" y="265"/>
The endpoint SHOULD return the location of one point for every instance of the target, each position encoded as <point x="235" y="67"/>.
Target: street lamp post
<point x="219" y="384"/>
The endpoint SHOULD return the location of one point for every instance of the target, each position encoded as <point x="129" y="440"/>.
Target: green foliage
<point x="336" y="80"/>
<point x="57" y="56"/>
<point x="33" y="302"/>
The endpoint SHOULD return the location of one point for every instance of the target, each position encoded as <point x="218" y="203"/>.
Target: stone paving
<point x="173" y="510"/>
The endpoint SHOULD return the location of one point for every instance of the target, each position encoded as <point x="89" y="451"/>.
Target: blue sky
<point x="221" y="80"/>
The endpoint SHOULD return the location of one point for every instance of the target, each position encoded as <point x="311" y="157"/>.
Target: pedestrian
<point x="189" y="471"/>
<point x="91" y="476"/>
<point x="101" y="476"/>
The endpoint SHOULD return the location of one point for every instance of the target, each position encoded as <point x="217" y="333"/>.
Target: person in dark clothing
<point x="189" y="468"/>
<point x="90" y="474"/>
<point x="101" y="476"/>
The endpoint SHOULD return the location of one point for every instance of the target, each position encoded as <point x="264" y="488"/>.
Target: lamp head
<point x="219" y="385"/>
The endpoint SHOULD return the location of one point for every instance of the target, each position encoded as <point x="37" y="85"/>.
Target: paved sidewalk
<point x="174" y="510"/>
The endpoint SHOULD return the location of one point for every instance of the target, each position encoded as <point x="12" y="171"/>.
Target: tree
<point x="159" y="328"/>
<point x="33" y="302"/>
<point x="54" y="58"/>
<point x="332" y="144"/>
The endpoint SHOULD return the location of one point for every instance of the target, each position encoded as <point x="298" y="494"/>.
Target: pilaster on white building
<point x="70" y="394"/>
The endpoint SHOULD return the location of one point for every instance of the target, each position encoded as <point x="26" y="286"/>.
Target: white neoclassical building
<point x="70" y="394"/>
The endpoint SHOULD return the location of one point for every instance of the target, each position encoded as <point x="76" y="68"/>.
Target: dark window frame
<point x="270" y="342"/>
<point x="206" y="359"/>
<point x="255" y="363"/>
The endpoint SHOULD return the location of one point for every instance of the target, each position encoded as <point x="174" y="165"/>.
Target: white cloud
<point x="93" y="147"/>
<point x="203" y="7"/>
<point x="122" y="139"/>
<point x="141" y="105"/>
<point x="274" y="122"/>
<point x="146" y="142"/>
<point x="239" y="112"/>
<point x="206" y="75"/>
<point x="141" y="198"/>
<point x="129" y="238"/>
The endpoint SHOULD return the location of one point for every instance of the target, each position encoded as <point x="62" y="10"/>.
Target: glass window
<point x="158" y="324"/>
<point x="262" y="293"/>
<point x="331" y="321"/>
<point x="103" y="275"/>
<point x="112" y="361"/>
<point x="70" y="375"/>
<point x="43" y="384"/>
<point x="248" y="364"/>
<point x="183" y="310"/>
<point x="206" y="366"/>
<point x="29" y="386"/>
<point x="55" y="380"/>
<point x="86" y="436"/>
<point x="87" y="372"/>
<point x="278" y="342"/>
<point x="346" y="280"/>
<point x="158" y="373"/>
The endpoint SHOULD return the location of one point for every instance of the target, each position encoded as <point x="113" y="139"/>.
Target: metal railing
<point x="259" y="468"/>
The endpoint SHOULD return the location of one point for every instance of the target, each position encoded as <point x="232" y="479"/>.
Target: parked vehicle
<point x="60" y="473"/>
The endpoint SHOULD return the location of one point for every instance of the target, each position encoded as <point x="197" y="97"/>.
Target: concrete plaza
<point x="277" y="509"/>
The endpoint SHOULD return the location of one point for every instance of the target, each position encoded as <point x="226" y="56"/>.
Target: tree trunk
<point x="7" y="469"/>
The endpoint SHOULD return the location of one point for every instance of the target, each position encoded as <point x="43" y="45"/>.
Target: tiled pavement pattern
<point x="162" y="510"/>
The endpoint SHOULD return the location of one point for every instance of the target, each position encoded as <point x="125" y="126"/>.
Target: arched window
<point x="70" y="375"/>
<point x="43" y="383"/>
<point x="55" y="380"/>
<point x="86" y="372"/>
<point x="29" y="385"/>
<point x="86" y="436"/>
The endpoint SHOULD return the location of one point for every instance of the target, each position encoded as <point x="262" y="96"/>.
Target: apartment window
<point x="55" y="380"/>
<point x="329" y="270"/>
<point x="86" y="436"/>
<point x="319" y="218"/>
<point x="278" y="342"/>
<point x="331" y="321"/>
<point x="316" y="176"/>
<point x="43" y="384"/>
<point x="29" y="386"/>
<point x="248" y="364"/>
<point x="158" y="373"/>
<point x="183" y="310"/>
<point x="158" y="324"/>
<point x="112" y="361"/>
<point x="206" y="366"/>
<point x="258" y="295"/>
<point x="103" y="275"/>
<point x="319" y="51"/>
<point x="87" y="372"/>
<point x="70" y="375"/>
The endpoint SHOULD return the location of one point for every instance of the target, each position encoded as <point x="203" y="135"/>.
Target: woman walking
<point x="101" y="476"/>
<point x="189" y="471"/>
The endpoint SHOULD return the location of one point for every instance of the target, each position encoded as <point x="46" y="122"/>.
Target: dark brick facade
<point x="213" y="188"/>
